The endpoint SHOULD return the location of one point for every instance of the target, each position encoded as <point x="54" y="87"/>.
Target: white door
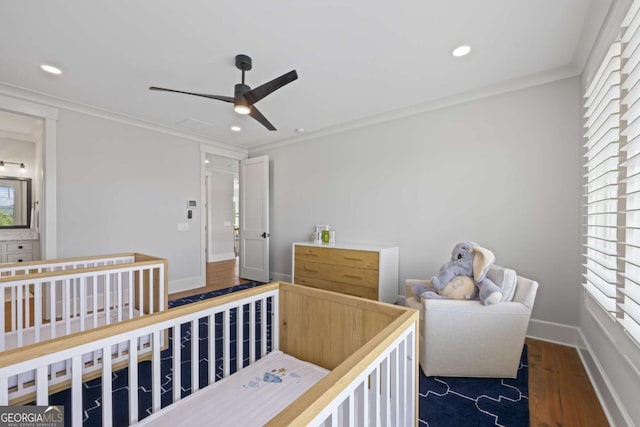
<point x="254" y="219"/>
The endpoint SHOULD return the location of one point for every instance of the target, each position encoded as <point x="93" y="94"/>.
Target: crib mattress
<point x="250" y="397"/>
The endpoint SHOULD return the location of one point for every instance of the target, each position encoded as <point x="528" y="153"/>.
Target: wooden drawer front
<point x="20" y="247"/>
<point x="337" y="273"/>
<point x="343" y="288"/>
<point x="346" y="257"/>
<point x="18" y="257"/>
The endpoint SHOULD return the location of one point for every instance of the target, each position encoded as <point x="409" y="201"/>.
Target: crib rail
<point x="37" y="368"/>
<point x="73" y="295"/>
<point x="13" y="269"/>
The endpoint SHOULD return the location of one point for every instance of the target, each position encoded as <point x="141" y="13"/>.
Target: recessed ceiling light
<point x="461" y="51"/>
<point x="299" y="130"/>
<point x="51" y="69"/>
<point x="236" y="128"/>
<point x="206" y="161"/>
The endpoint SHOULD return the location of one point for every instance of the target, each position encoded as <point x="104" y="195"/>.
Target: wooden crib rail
<point x="126" y="341"/>
<point x="41" y="266"/>
<point x="79" y="297"/>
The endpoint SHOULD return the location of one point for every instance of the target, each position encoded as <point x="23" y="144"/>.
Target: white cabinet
<point x="19" y="251"/>
<point x="366" y="271"/>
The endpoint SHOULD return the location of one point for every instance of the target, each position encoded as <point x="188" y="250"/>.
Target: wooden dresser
<point x="367" y="271"/>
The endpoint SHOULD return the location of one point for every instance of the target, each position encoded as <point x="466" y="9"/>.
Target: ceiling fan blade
<point x="256" y="94"/>
<point x="204" y="95"/>
<point x="256" y="114"/>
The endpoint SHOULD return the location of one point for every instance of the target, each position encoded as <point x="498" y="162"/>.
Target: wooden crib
<point x="44" y="300"/>
<point x="367" y="348"/>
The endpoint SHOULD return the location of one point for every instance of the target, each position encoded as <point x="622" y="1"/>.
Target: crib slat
<point x="402" y="363"/>
<point x="42" y="386"/>
<point x="239" y="337"/>
<point x="2" y="319"/>
<point x="384" y="378"/>
<point x="52" y="308"/>
<point x="133" y="380"/>
<point x="67" y="305"/>
<point x="275" y="316"/>
<point x="226" y="334"/>
<point x="395" y="403"/>
<point x="161" y="286"/>
<point x="83" y="302"/>
<point x="94" y="299"/>
<point x="374" y="396"/>
<point x="263" y="327"/>
<point x="27" y="306"/>
<point x="195" y="356"/>
<point x="76" y="391"/>
<point x="107" y="299"/>
<point x="411" y="374"/>
<point x="107" y="398"/>
<point x="177" y="363"/>
<point x="212" y="348"/>
<point x="37" y="308"/>
<point x="20" y="314"/>
<point x="130" y="296"/>
<point x="252" y="332"/>
<point x="13" y="308"/>
<point x="156" y="371"/>
<point x="140" y="293"/>
<point x="150" y="290"/>
<point x="4" y="388"/>
<point x="351" y="420"/>
<point x="365" y="405"/>
<point x="119" y="295"/>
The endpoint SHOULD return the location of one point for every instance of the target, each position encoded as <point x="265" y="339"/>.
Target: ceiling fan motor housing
<point x="243" y="62"/>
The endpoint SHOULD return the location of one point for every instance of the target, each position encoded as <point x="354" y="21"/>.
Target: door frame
<point x="48" y="204"/>
<point x="218" y="151"/>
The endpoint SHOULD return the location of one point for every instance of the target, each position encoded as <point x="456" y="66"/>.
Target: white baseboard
<point x="186" y="284"/>
<point x="279" y="277"/>
<point x="554" y="332"/>
<point x="221" y="257"/>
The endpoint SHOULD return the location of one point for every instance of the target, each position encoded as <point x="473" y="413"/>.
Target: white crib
<point x="369" y="349"/>
<point x="44" y="300"/>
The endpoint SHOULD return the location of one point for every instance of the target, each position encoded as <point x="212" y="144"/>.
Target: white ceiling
<point x="356" y="59"/>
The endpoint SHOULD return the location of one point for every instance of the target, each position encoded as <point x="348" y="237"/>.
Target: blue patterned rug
<point x="443" y="401"/>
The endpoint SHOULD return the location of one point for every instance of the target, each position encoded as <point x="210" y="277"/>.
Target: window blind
<point x="602" y="135"/>
<point x="629" y="169"/>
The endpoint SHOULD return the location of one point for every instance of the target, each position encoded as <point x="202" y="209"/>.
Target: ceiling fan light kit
<point x="244" y="97"/>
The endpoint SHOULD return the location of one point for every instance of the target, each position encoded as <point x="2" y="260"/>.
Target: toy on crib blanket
<point x="464" y="276"/>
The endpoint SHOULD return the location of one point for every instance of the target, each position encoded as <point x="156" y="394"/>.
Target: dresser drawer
<point x="20" y="247"/>
<point x="18" y="257"/>
<point x="343" y="288"/>
<point x="337" y="273"/>
<point x="345" y="257"/>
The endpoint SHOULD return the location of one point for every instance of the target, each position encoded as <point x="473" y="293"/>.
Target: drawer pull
<point x="352" y="259"/>
<point x="19" y="246"/>
<point x="20" y="260"/>
<point x="353" y="276"/>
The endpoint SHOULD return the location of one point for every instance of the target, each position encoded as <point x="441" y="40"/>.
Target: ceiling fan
<point x="244" y="97"/>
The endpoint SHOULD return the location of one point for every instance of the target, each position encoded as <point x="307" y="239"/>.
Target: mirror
<point x="15" y="202"/>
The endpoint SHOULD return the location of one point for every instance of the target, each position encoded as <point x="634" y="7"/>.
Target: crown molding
<point x="463" y="98"/>
<point x="61" y="103"/>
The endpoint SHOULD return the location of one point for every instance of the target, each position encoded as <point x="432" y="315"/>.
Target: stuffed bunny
<point x="467" y="260"/>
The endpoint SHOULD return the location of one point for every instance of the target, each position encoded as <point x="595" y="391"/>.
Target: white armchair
<point x="463" y="338"/>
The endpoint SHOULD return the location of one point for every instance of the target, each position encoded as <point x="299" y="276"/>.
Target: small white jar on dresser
<point x="368" y="271"/>
<point x="19" y="246"/>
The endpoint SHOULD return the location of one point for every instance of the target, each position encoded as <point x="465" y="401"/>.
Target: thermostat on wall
<point x="191" y="204"/>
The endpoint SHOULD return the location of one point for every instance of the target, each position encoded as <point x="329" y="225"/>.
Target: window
<point x="612" y="179"/>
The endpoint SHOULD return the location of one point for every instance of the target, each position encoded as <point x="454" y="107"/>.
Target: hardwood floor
<point x="220" y="275"/>
<point x="560" y="393"/>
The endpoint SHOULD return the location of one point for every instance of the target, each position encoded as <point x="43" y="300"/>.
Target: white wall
<point x="220" y="216"/>
<point x="124" y="188"/>
<point x="503" y="171"/>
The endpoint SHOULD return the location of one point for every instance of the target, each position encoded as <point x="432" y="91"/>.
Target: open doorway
<point x="222" y="222"/>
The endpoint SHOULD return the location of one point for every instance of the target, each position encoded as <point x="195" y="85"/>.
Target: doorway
<point x="222" y="221"/>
